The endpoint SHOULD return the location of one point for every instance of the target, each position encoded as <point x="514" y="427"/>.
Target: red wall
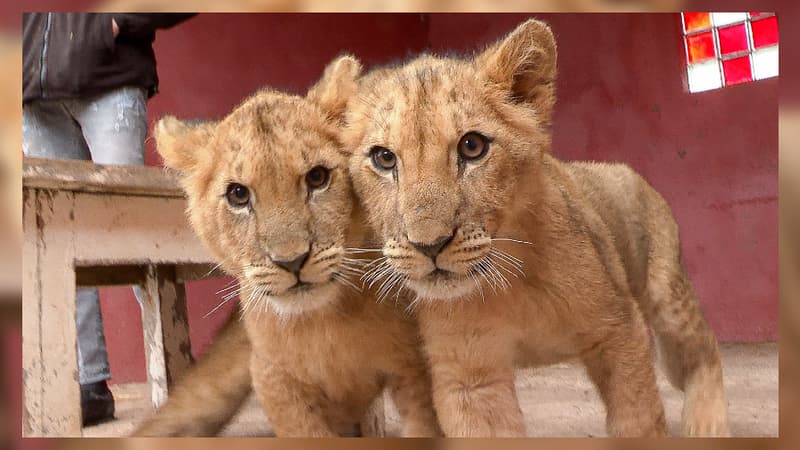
<point x="712" y="155"/>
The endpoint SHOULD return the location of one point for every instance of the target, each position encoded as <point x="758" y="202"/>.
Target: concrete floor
<point x="556" y="401"/>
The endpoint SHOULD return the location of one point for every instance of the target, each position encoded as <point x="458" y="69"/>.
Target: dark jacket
<point x="67" y="55"/>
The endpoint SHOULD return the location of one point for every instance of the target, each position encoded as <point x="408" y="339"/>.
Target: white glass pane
<point x="718" y="19"/>
<point x="704" y="76"/>
<point x="765" y="62"/>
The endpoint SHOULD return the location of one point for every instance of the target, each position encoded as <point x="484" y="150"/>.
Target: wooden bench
<point x="90" y="225"/>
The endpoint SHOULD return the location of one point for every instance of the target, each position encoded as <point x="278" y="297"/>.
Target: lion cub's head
<point x="268" y="190"/>
<point x="443" y="149"/>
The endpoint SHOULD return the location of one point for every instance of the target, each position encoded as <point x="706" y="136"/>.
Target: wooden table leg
<point x="51" y="394"/>
<point x="166" y="330"/>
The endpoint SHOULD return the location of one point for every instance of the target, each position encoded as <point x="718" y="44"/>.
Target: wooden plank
<point x="50" y="378"/>
<point x="154" y="339"/>
<point x="85" y="176"/>
<point x="120" y="229"/>
<point x="31" y="320"/>
<point x="120" y="275"/>
<point x="166" y="331"/>
<point x="174" y="324"/>
<point x="374" y="422"/>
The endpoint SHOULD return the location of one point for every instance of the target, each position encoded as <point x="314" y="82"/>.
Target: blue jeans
<point x="108" y="128"/>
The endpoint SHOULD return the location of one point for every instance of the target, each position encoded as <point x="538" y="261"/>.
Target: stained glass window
<point x="727" y="48"/>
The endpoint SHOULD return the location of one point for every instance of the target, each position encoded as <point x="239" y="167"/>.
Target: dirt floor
<point x="556" y="401"/>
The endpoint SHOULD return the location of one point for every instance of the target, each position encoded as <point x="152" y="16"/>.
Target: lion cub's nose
<point x="433" y="249"/>
<point x="294" y="265"/>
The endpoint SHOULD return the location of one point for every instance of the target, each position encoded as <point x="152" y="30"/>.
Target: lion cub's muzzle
<point x="285" y="275"/>
<point x="443" y="268"/>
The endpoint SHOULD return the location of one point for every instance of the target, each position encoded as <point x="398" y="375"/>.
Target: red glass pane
<point x="765" y="32"/>
<point x="696" y="20"/>
<point x="737" y="70"/>
<point x="732" y="39"/>
<point x="755" y="14"/>
<point x="700" y="47"/>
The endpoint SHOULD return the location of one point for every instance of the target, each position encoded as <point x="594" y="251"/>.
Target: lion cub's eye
<point x="237" y="195"/>
<point x="317" y="177"/>
<point x="383" y="158"/>
<point x="473" y="146"/>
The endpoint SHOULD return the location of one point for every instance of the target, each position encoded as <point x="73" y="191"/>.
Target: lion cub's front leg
<point x="291" y="406"/>
<point x="477" y="402"/>
<point x="473" y="381"/>
<point x="410" y="387"/>
<point x="620" y="363"/>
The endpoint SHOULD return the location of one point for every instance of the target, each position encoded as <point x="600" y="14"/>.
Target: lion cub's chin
<point x="296" y="302"/>
<point x="437" y="287"/>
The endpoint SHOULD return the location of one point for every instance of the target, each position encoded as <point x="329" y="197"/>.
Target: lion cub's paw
<point x="709" y="419"/>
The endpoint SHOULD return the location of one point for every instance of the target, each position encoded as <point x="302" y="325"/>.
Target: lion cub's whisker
<point x="232" y="285"/>
<point x="477" y="284"/>
<point x="343" y="280"/>
<point x="388" y="285"/>
<point x="247" y="286"/>
<point x="227" y="297"/>
<point x="504" y="259"/>
<point x="518" y="241"/>
<point x="375" y="272"/>
<point x="376" y="262"/>
<point x="357" y="261"/>
<point x="350" y="270"/>
<point x="216" y="266"/>
<point x="362" y="250"/>
<point x="507" y="255"/>
<point x="213" y="310"/>
<point x="413" y="304"/>
<point x="382" y="275"/>
<point x="498" y="280"/>
<point x="402" y="284"/>
<point x="500" y="260"/>
<point x="499" y="264"/>
<point x="483" y="271"/>
<point x="492" y="271"/>
<point x="355" y="267"/>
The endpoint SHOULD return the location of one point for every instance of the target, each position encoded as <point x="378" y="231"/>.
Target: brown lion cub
<point x="517" y="258"/>
<point x="268" y="193"/>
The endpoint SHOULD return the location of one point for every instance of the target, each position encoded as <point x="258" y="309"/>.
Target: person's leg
<point x="50" y="131"/>
<point x="114" y="125"/>
<point x="97" y="401"/>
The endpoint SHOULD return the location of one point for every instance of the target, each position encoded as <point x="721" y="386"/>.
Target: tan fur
<point x="596" y="263"/>
<point x="321" y="353"/>
<point x="210" y="393"/>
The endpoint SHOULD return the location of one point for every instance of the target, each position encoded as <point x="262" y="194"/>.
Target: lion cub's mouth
<point x="302" y="286"/>
<point x="302" y="297"/>
<point x="441" y="284"/>
<point x="442" y="275"/>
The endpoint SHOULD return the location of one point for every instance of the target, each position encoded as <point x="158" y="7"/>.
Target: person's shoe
<point x="97" y="403"/>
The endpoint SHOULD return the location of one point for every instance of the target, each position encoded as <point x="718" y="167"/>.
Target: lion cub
<point x="268" y="194"/>
<point x="517" y="258"/>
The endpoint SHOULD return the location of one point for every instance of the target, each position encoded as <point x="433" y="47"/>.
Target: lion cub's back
<point x="634" y="212"/>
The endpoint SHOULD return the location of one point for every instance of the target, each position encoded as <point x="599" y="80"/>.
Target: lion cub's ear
<point x="524" y="63"/>
<point x="181" y="143"/>
<point x="338" y="83"/>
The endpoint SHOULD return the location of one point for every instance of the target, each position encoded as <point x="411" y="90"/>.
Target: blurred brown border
<point x="10" y="226"/>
